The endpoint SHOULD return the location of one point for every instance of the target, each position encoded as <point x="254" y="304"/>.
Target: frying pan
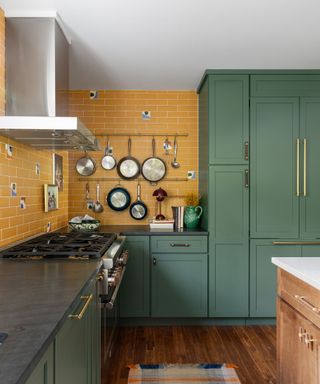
<point x="118" y="199"/>
<point x="85" y="166"/>
<point x="128" y="167"/>
<point x="153" y="169"/>
<point x="138" y="210"/>
<point x="108" y="161"/>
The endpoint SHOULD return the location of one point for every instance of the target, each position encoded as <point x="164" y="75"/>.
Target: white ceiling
<point x="167" y="44"/>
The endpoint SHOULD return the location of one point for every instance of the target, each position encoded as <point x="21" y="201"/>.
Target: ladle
<point x="175" y="163"/>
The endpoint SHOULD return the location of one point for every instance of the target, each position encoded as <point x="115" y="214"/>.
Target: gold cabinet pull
<point x="296" y="242"/>
<point x="304" y="167"/>
<point x="302" y="333"/>
<point x="298" y="167"/>
<point x="305" y="302"/>
<point x="79" y="315"/>
<point x="246" y="150"/>
<point x="246" y="178"/>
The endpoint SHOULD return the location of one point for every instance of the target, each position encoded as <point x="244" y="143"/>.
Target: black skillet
<point x="138" y="209"/>
<point x="128" y="167"/>
<point x="118" y="199"/>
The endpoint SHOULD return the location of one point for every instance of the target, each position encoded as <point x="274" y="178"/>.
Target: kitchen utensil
<point x="153" y="169"/>
<point x="138" y="209"/>
<point x="108" y="161"/>
<point x="128" y="167"/>
<point x="174" y="163"/>
<point x="85" y="166"/>
<point x="178" y="214"/>
<point x="87" y="191"/>
<point x="97" y="206"/>
<point x="167" y="146"/>
<point x="118" y="199"/>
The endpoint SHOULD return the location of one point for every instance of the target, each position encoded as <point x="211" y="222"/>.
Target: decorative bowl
<point x="85" y="225"/>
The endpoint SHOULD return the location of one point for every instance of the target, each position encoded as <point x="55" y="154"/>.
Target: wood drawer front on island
<point x="135" y="286"/>
<point x="297" y="347"/>
<point x="179" y="285"/>
<point x="44" y="371"/>
<point x="179" y="244"/>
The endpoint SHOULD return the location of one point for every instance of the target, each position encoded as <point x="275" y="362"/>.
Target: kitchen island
<point x="298" y="320"/>
<point x="35" y="300"/>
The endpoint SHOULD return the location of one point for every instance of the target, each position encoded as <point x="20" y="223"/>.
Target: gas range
<point x="71" y="245"/>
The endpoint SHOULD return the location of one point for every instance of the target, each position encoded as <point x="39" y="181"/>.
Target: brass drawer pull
<point x="246" y="150"/>
<point x="298" y="168"/>
<point x="79" y="315"/>
<point x="180" y="244"/>
<point x="302" y="334"/>
<point x="304" y="301"/>
<point x="304" y="167"/>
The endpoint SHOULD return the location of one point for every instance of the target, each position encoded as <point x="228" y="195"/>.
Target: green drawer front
<point x="285" y="85"/>
<point x="179" y="244"/>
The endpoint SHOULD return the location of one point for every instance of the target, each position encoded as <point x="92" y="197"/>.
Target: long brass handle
<point x="246" y="150"/>
<point x="246" y="178"/>
<point x="306" y="303"/>
<point x="304" y="167"/>
<point x="298" y="168"/>
<point x="79" y="315"/>
<point x="296" y="242"/>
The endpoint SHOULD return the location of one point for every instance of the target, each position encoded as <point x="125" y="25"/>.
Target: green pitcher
<point x="192" y="216"/>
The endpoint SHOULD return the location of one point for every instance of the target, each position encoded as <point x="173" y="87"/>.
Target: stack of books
<point x="166" y="225"/>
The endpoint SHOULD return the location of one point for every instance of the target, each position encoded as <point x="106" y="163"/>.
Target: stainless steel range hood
<point x="37" y="83"/>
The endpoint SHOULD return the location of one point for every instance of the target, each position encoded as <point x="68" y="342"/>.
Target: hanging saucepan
<point x="118" y="199"/>
<point x="85" y="166"/>
<point x="128" y="167"/>
<point x="153" y="169"/>
<point x="138" y="209"/>
<point x="108" y="161"/>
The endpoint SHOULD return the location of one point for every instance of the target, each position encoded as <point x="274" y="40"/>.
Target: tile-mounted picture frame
<point x="57" y="162"/>
<point x="51" y="197"/>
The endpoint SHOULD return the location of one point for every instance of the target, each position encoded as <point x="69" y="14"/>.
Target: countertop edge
<point x="282" y="262"/>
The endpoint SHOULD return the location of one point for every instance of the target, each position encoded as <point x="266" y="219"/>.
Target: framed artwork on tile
<point x="58" y="171"/>
<point x="51" y="197"/>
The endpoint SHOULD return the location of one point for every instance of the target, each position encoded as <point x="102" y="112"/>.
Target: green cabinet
<point x="228" y="118"/>
<point x="229" y="254"/>
<point x="74" y="345"/>
<point x="44" y="371"/>
<point x="273" y="199"/>
<point x="179" y="285"/>
<point x="135" y="286"/>
<point x="284" y="167"/>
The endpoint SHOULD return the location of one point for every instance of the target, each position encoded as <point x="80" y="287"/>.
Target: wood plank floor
<point x="251" y="348"/>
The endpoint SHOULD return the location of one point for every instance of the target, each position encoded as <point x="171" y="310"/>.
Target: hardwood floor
<point x="251" y="348"/>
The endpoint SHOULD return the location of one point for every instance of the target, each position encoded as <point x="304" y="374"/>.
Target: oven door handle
<point x="110" y="304"/>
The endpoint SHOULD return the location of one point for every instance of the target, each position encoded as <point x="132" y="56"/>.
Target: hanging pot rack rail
<point x="144" y="134"/>
<point x="137" y="179"/>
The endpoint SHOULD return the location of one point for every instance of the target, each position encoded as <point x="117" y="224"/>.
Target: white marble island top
<point x="306" y="269"/>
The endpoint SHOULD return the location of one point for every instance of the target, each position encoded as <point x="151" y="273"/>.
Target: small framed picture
<point x="51" y="200"/>
<point x="58" y="171"/>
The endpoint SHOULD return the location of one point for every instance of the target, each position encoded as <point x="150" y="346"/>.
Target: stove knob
<point x="124" y="259"/>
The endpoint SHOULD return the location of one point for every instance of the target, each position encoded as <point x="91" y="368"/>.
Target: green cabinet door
<point x="263" y="275"/>
<point x="179" y="285"/>
<point x="310" y="250"/>
<point x="44" y="371"/>
<point x="310" y="164"/>
<point x="274" y="205"/>
<point x="228" y="118"/>
<point x="135" y="286"/>
<point x="73" y="343"/>
<point x="229" y="241"/>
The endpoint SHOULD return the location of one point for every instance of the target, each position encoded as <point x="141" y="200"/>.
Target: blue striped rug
<point x="183" y="373"/>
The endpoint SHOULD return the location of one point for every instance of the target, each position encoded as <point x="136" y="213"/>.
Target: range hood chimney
<point x="37" y="83"/>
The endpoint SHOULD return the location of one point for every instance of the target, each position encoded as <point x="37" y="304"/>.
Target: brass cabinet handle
<point x="246" y="178"/>
<point x="246" y="150"/>
<point x="309" y="340"/>
<point x="302" y="333"/>
<point x="298" y="167"/>
<point x="305" y="302"/>
<point x="180" y="245"/>
<point x="296" y="242"/>
<point x="304" y="167"/>
<point x="79" y="315"/>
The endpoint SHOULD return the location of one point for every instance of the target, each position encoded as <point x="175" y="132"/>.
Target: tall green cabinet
<point x="270" y="119"/>
<point x="224" y="190"/>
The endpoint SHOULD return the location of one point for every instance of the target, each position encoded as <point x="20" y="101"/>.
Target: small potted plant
<point x="193" y="211"/>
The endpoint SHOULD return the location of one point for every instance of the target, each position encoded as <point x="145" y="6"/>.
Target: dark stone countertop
<point x="144" y="230"/>
<point x="35" y="298"/>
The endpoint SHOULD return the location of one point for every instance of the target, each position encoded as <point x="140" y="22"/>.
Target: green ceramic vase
<point x="192" y="216"/>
